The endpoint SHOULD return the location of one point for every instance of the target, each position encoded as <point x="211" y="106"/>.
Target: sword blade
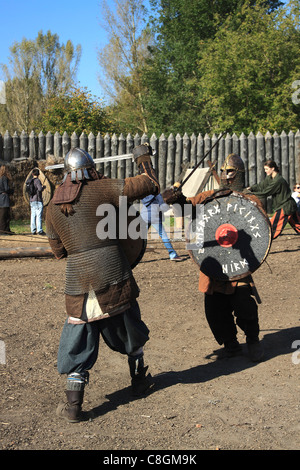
<point x="114" y="158"/>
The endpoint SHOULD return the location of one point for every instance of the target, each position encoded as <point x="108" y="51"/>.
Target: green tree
<point x="75" y="111"/>
<point x="247" y="71"/>
<point x="57" y="63"/>
<point x="171" y="74"/>
<point x="122" y="59"/>
<point x="37" y="70"/>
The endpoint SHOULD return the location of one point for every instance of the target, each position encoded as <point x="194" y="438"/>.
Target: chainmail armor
<point x="91" y="262"/>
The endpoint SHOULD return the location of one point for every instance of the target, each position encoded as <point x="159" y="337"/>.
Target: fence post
<point x="207" y="147"/>
<point x="178" y="158"/>
<point x="170" y="161"/>
<point x="297" y="156"/>
<point x="7" y="147"/>
<point x="57" y="145"/>
<point x="24" y="145"/>
<point x="193" y="157"/>
<point x="129" y="148"/>
<point x="269" y="146"/>
<point x="66" y="144"/>
<point x="33" y="150"/>
<point x="200" y="149"/>
<point x="221" y="152"/>
<point x="122" y="151"/>
<point x="277" y="149"/>
<point x="162" y="148"/>
<point x="154" y="146"/>
<point x="235" y="144"/>
<point x="99" y="152"/>
<point x="91" y="145"/>
<point x="74" y="140"/>
<point x="228" y="145"/>
<point x="284" y="156"/>
<point x="252" y="159"/>
<point x="214" y="153"/>
<point x="114" y="151"/>
<point x="107" y="165"/>
<point x="244" y="156"/>
<point x="260" y="156"/>
<point x="42" y="146"/>
<point x="83" y="141"/>
<point x="291" y="158"/>
<point x="49" y="144"/>
<point x="16" y="146"/>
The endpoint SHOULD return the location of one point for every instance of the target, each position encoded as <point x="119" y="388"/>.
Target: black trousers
<point x="4" y="219"/>
<point x="222" y="310"/>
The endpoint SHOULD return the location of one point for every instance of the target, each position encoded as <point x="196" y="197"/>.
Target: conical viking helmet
<point x="234" y="163"/>
<point x="77" y="161"/>
<point x="233" y="168"/>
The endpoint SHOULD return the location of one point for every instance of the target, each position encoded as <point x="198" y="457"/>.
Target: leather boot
<point x="71" y="409"/>
<point x="255" y="350"/>
<point x="140" y="382"/>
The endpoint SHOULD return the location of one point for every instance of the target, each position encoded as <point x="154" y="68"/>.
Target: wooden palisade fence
<point x="171" y="152"/>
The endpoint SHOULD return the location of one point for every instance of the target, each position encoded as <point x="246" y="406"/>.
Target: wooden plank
<point x="25" y="252"/>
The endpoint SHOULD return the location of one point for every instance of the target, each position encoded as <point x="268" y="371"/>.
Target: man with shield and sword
<point x="229" y="237"/>
<point x="100" y="289"/>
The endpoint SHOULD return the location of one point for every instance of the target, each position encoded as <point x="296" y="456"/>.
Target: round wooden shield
<point x="47" y="193"/>
<point x="134" y="248"/>
<point x="229" y="238"/>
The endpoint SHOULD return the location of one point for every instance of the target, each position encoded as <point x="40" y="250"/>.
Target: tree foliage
<point x="75" y="111"/>
<point x="122" y="60"/>
<point x="37" y="70"/>
<point x="190" y="59"/>
<point x="246" y="72"/>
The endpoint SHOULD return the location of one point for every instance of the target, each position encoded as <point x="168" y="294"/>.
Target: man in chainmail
<point x="100" y="289"/>
<point x="222" y="299"/>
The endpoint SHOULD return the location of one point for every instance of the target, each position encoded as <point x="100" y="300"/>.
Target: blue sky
<point x="77" y="20"/>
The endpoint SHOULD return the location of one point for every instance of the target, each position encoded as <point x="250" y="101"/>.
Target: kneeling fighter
<point x="100" y="289"/>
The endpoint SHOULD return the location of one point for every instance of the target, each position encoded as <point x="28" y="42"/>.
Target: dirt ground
<point x="199" y="402"/>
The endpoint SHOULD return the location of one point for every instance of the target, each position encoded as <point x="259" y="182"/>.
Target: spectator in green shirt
<point x="283" y="204"/>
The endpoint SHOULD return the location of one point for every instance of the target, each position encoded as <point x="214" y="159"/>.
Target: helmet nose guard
<point x="231" y="166"/>
<point x="77" y="161"/>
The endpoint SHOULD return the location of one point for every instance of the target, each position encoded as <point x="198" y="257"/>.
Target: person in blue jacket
<point x="152" y="213"/>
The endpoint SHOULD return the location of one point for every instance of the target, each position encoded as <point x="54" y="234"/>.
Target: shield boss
<point x="229" y="238"/>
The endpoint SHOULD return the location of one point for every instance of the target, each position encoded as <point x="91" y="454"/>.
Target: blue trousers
<point x="36" y="221"/>
<point x="165" y="239"/>
<point x="79" y="344"/>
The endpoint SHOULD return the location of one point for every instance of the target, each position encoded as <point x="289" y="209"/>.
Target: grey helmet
<point x="77" y="162"/>
<point x="233" y="169"/>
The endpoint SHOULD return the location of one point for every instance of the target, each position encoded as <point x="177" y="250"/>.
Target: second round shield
<point x="229" y="238"/>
